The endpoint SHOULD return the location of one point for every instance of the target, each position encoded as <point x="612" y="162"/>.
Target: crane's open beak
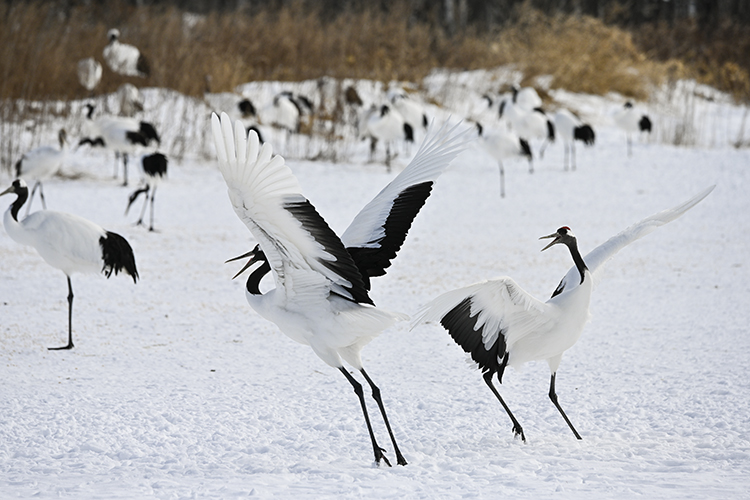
<point x="249" y="263"/>
<point x="553" y="242"/>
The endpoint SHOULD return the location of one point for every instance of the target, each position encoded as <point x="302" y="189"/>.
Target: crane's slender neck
<point x="253" y="281"/>
<point x="577" y="259"/>
<point x="23" y="195"/>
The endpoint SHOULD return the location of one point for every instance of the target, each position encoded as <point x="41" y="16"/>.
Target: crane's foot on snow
<point x="380" y="456"/>
<point x="65" y="347"/>
<point x="518" y="431"/>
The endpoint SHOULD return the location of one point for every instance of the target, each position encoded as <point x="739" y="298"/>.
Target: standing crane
<point x="40" y="164"/>
<point x="69" y="243"/>
<point x="322" y="297"/>
<point x="153" y="169"/>
<point x="499" y="324"/>
<point x="570" y="128"/>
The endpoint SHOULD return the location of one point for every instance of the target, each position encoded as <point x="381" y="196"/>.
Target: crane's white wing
<point x="376" y="234"/>
<point x="267" y="197"/>
<point x="596" y="258"/>
<point x="487" y="318"/>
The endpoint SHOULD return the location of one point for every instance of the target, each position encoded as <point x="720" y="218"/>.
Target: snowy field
<point x="178" y="389"/>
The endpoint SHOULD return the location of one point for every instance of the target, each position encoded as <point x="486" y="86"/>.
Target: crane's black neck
<point x="577" y="259"/>
<point x="23" y="195"/>
<point x="253" y="281"/>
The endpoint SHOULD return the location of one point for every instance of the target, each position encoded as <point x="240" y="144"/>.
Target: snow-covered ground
<point x="178" y="389"/>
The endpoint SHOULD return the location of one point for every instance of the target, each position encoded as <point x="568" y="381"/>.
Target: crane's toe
<point x="380" y="456"/>
<point x="65" y="347"/>
<point x="518" y="431"/>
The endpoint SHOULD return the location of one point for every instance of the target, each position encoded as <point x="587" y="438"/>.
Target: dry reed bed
<point x="40" y="45"/>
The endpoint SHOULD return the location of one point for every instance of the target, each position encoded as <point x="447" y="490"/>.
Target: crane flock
<point x="323" y="281"/>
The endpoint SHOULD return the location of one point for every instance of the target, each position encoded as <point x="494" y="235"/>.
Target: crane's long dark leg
<point x="502" y="180"/>
<point x="573" y="154"/>
<point x="124" y="169"/>
<point x="117" y="160"/>
<point x="70" y="320"/>
<point x="553" y="397"/>
<point x="145" y="203"/>
<point x="517" y="429"/>
<point x="360" y="394"/>
<point x="41" y="195"/>
<point x="153" y="194"/>
<point x="376" y="396"/>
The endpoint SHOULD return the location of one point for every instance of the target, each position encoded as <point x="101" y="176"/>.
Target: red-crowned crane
<point x="40" y="164"/>
<point x="500" y="325"/>
<point x="632" y="121"/>
<point x="121" y="134"/>
<point x="69" y="243"/>
<point x="89" y="73"/>
<point x="529" y="124"/>
<point x="384" y="123"/>
<point x="570" y="128"/>
<point x="153" y="169"/>
<point x="322" y="297"/>
<point x="503" y="145"/>
<point x="123" y="58"/>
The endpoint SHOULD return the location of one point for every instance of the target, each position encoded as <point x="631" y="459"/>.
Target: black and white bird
<point x="121" y="134"/>
<point x="384" y="124"/>
<point x="632" y="121"/>
<point x="410" y="110"/>
<point x="40" y="164"/>
<point x="153" y="169"/>
<point x="322" y="297"/>
<point x="69" y="243"/>
<point x="526" y="98"/>
<point x="124" y="59"/>
<point x="287" y="109"/>
<point x="500" y="325"/>
<point x="503" y="145"/>
<point x="570" y="128"/>
<point x="89" y="73"/>
<point x="529" y="124"/>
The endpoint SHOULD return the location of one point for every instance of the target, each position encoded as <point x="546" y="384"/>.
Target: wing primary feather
<point x="599" y="256"/>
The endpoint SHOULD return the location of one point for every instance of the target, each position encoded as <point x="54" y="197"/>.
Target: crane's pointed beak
<point x="9" y="190"/>
<point x="553" y="242"/>
<point x="249" y="263"/>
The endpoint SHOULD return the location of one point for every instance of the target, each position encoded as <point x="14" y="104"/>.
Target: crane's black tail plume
<point x="117" y="255"/>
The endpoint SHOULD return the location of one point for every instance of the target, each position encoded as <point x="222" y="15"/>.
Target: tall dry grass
<point x="40" y="44"/>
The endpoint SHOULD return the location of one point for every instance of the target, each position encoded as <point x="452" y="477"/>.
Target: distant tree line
<point x="456" y="15"/>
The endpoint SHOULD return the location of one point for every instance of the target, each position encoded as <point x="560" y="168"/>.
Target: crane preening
<point x="322" y="297"/>
<point x="500" y="325"/>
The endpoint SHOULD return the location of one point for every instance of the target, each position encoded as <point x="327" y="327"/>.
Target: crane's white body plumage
<point x="501" y="325"/>
<point x="65" y="241"/>
<point x="40" y="164"/>
<point x="632" y="121"/>
<point x="123" y="58"/>
<point x="526" y="98"/>
<point x="311" y="302"/>
<point x="410" y="110"/>
<point x="69" y="243"/>
<point x="570" y="128"/>
<point x="501" y="145"/>
<point x="89" y="73"/>
<point x="322" y="281"/>
<point x="131" y="99"/>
